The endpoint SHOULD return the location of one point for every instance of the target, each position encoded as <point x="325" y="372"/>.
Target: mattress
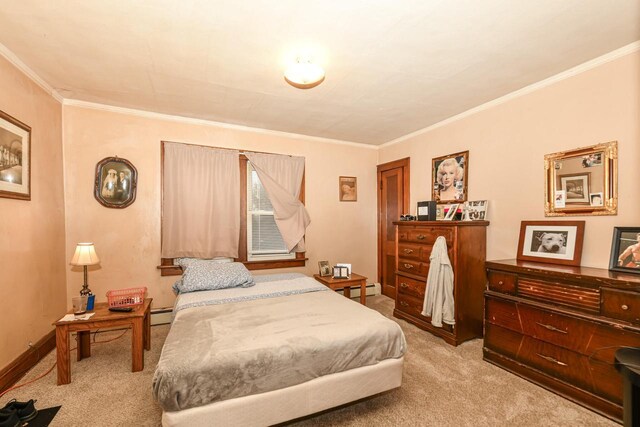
<point x="227" y="346"/>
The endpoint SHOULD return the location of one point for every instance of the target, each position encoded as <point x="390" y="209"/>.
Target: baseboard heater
<point x="161" y="316"/>
<point x="372" y="289"/>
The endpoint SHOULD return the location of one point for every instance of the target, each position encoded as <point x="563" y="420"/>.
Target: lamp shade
<point x="85" y="255"/>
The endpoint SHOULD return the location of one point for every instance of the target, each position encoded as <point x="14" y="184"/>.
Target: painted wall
<point x="128" y="240"/>
<point x="32" y="262"/>
<point x="507" y="144"/>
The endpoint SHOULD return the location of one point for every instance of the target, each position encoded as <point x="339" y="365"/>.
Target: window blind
<point x="264" y="238"/>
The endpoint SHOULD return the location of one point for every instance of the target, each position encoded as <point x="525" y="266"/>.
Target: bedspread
<point x="223" y="351"/>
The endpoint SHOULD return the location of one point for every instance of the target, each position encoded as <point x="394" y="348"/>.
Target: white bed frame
<point x="293" y="402"/>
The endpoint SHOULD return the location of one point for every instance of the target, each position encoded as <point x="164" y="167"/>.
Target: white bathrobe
<point x="438" y="300"/>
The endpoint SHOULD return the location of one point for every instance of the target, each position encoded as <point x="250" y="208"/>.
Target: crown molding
<point x="190" y="120"/>
<point x="579" y="69"/>
<point x="16" y="62"/>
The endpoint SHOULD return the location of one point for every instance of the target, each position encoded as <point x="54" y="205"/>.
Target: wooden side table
<point x="346" y="284"/>
<point x="139" y="320"/>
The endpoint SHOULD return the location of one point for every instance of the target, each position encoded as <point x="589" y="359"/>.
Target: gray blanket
<point x="219" y="352"/>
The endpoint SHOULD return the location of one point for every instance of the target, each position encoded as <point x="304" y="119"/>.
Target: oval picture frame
<point x="115" y="183"/>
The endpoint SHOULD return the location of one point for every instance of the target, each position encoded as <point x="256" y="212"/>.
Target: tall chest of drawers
<point x="466" y="245"/>
<point x="560" y="327"/>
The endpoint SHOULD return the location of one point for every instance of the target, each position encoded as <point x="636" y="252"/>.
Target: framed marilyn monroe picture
<point x="449" y="177"/>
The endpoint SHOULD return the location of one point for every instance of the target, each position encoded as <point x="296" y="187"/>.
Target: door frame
<point x="405" y="164"/>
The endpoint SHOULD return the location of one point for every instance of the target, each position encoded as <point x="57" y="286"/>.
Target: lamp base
<point x="85" y="291"/>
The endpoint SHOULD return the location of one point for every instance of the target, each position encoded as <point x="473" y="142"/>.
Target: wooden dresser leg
<point x="363" y="293"/>
<point x="137" y="343"/>
<point x="62" y="355"/>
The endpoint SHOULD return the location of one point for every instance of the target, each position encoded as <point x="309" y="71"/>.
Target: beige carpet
<point x="442" y="386"/>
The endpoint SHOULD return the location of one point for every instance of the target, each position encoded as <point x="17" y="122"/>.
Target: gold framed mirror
<point x="582" y="181"/>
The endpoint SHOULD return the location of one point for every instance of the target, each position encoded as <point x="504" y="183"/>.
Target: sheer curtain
<point x="281" y="177"/>
<point x="201" y="202"/>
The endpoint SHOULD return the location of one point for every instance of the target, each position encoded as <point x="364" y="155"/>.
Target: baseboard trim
<point x="15" y="370"/>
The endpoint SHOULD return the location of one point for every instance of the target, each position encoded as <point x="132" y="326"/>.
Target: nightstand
<point x="346" y="284"/>
<point x="139" y="320"/>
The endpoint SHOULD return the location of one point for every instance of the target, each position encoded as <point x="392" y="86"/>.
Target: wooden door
<point x="393" y="201"/>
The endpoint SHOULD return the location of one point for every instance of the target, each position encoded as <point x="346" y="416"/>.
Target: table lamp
<point x="85" y="255"/>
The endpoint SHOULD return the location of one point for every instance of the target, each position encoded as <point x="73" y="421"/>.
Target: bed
<point x="282" y="349"/>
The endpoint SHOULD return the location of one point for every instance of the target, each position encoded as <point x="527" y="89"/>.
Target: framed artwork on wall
<point x="115" y="183"/>
<point x="15" y="158"/>
<point x="554" y="242"/>
<point x="449" y="177"/>
<point x="625" y="250"/>
<point x="348" y="188"/>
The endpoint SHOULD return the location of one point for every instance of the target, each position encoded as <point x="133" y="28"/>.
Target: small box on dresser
<point x="560" y="327"/>
<point x="466" y="247"/>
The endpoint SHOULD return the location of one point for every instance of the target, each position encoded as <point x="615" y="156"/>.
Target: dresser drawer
<point x="502" y="282"/>
<point x="579" y="297"/>
<point x="413" y="307"/>
<point x="408" y="286"/>
<point x="502" y="313"/>
<point x="621" y="305"/>
<point x="410" y="305"/>
<point x="501" y="340"/>
<point x="564" y="331"/>
<point x="594" y="375"/>
<point x="412" y="251"/>
<point x="557" y="362"/>
<point x="413" y="266"/>
<point x="544" y="325"/>
<point x="426" y="235"/>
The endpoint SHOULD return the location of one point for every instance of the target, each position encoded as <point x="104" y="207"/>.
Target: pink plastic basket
<point x="126" y="297"/>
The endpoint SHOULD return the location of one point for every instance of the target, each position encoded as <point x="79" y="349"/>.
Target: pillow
<point x="205" y="275"/>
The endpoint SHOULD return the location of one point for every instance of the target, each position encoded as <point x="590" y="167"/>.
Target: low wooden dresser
<point x="466" y="246"/>
<point x="560" y="327"/>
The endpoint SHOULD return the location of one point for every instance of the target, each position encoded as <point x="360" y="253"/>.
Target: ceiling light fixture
<point x="304" y="74"/>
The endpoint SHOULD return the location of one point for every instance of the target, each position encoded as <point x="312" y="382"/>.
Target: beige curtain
<point x="281" y="177"/>
<point x="201" y="202"/>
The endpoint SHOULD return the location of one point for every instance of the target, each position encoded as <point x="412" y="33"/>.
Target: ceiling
<point x="392" y="67"/>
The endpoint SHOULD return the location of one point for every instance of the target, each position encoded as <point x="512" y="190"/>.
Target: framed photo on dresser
<point x="553" y="242"/>
<point x="625" y="250"/>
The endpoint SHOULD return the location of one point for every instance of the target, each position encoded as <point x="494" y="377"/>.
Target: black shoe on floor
<point x="9" y="418"/>
<point x="25" y="410"/>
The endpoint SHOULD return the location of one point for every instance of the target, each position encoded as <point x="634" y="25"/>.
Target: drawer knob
<point x="408" y="251"/>
<point x="551" y="359"/>
<point x="403" y="285"/>
<point x="408" y="265"/>
<point x="551" y="328"/>
<point x="500" y="282"/>
<point x="624" y="307"/>
<point x="420" y="237"/>
<point x="404" y="304"/>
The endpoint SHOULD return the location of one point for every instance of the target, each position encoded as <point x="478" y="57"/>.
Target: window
<point x="264" y="241"/>
<point x="260" y="244"/>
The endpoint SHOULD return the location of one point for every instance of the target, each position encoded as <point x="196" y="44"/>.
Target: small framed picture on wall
<point x="348" y="188"/>
<point x="15" y="158"/>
